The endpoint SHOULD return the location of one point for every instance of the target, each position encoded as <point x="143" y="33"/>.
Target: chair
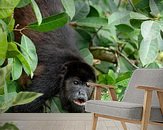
<point x="142" y="102"/>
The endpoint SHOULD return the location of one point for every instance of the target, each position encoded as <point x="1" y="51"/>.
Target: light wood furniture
<point x="148" y="80"/>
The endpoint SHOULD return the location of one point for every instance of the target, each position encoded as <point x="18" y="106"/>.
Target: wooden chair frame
<point x="146" y="106"/>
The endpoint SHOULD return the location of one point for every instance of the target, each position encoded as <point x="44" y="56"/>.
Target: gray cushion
<point x="121" y="109"/>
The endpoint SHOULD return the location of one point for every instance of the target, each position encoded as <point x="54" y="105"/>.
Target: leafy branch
<point x="111" y="56"/>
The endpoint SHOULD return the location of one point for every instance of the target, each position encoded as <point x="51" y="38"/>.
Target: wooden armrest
<point x="148" y="101"/>
<point x="149" y="88"/>
<point x="100" y="85"/>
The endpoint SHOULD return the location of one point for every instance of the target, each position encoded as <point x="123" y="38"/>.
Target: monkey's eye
<point x="76" y="82"/>
<point x="87" y="84"/>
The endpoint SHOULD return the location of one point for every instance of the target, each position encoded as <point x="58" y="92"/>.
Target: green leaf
<point x="161" y="24"/>
<point x="150" y="30"/>
<point x="124" y="28"/>
<point x="112" y="6"/>
<point x="84" y="35"/>
<point x="12" y="86"/>
<point x="135" y="15"/>
<point x="109" y="34"/>
<point x="136" y="1"/>
<point x="150" y="44"/>
<point x="2" y="61"/>
<point x="6" y="104"/>
<point x="23" y="3"/>
<point x="16" y="69"/>
<point x="123" y="83"/>
<point x="111" y="77"/>
<point x="5" y="75"/>
<point x="56" y="106"/>
<point x="3" y="42"/>
<point x="153" y="7"/>
<point x="109" y="80"/>
<point x="123" y="76"/>
<point x="112" y="74"/>
<point x="4" y="72"/>
<point x="87" y="55"/>
<point x="25" y="64"/>
<point x="129" y="49"/>
<point x="103" y="66"/>
<point x="25" y="97"/>
<point x="142" y="4"/>
<point x="119" y="18"/>
<point x="101" y="79"/>
<point x="148" y="51"/>
<point x="69" y="6"/>
<point x="93" y="12"/>
<point x="82" y="10"/>
<point x="8" y="126"/>
<point x="7" y="7"/>
<point x="29" y="52"/>
<point x="94" y="22"/>
<point x="124" y="65"/>
<point x="50" y="23"/>
<point x="82" y="38"/>
<point x="153" y="65"/>
<point x="12" y="50"/>
<point x="11" y="24"/>
<point x="37" y="12"/>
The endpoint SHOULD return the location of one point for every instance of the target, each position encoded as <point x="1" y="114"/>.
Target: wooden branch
<point x="108" y="54"/>
<point x="103" y="55"/>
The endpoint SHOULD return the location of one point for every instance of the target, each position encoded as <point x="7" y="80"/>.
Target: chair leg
<point x="124" y="125"/>
<point x="146" y="110"/>
<point x="144" y="126"/>
<point x="94" y="122"/>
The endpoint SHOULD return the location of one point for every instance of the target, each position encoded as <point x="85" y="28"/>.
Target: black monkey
<point x="61" y="69"/>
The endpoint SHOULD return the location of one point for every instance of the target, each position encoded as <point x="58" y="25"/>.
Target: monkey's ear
<point x="61" y="76"/>
<point x="63" y="72"/>
<point x="63" y="69"/>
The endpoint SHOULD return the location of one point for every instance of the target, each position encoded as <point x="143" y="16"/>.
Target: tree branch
<point x="108" y="54"/>
<point x="104" y="54"/>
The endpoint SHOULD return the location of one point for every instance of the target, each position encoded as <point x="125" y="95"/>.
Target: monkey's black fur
<point x="63" y="71"/>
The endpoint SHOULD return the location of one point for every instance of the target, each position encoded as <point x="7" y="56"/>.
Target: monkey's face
<point x="76" y="93"/>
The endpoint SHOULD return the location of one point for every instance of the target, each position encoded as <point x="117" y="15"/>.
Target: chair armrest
<point x="148" y="99"/>
<point x="150" y="88"/>
<point x="97" y="94"/>
<point x="100" y="85"/>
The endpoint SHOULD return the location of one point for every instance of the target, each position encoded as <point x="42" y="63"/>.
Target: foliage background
<point x="122" y="35"/>
<point x="114" y="36"/>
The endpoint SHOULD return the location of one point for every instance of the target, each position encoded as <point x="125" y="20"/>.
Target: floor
<point x="60" y="121"/>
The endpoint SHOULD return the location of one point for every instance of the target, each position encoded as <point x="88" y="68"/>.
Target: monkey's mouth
<point x="80" y="101"/>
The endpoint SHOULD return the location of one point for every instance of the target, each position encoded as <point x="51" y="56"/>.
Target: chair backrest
<point x="147" y="77"/>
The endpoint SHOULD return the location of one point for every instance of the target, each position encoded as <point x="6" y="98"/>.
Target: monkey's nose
<point x="82" y="92"/>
